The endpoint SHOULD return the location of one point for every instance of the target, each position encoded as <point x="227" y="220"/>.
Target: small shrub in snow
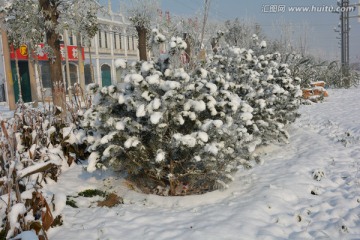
<point x="183" y="133"/>
<point x="103" y="199"/>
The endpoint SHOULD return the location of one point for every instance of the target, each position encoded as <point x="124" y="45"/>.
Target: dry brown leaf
<point x="111" y="200"/>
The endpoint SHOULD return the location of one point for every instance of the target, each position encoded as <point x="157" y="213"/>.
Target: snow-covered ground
<point x="4" y="111"/>
<point x="307" y="189"/>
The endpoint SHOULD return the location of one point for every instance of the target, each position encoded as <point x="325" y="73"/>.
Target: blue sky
<point x="322" y="38"/>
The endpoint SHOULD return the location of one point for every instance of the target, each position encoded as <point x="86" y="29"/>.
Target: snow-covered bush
<point x="266" y="85"/>
<point x="34" y="148"/>
<point x="184" y="133"/>
<point x="310" y="69"/>
<point x="172" y="134"/>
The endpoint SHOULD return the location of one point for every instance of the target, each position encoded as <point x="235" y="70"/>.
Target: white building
<point x="115" y="39"/>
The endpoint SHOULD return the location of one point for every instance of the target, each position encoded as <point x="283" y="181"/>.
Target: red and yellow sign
<point x="23" y="54"/>
<point x="23" y="50"/>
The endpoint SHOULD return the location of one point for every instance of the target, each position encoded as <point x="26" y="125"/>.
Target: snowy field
<point x="307" y="189"/>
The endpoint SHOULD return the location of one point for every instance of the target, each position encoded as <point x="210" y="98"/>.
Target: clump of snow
<point x="120" y="63"/>
<point x="212" y="148"/>
<point x="246" y="116"/>
<point x="120" y="126"/>
<point x="157" y="36"/>
<point x="146" y="95"/>
<point x="121" y="99"/>
<point x="180" y="74"/>
<point x="203" y="136"/>
<point x="160" y="156"/>
<point x="146" y="66"/>
<point x="37" y="166"/>
<point x="16" y="210"/>
<point x="203" y="73"/>
<point x="104" y="90"/>
<point x="59" y="203"/>
<point x="169" y="85"/>
<point x="153" y="79"/>
<point x="176" y="44"/>
<point x="136" y="79"/>
<point x="262" y="103"/>
<point x="156" y="117"/>
<point x="198" y="106"/>
<point x="92" y="87"/>
<point x="263" y="44"/>
<point x="217" y="123"/>
<point x="131" y="142"/>
<point x="156" y="104"/>
<point x="212" y="87"/>
<point x="140" y="112"/>
<point x="93" y="160"/>
<point x="107" y="151"/>
<point x="107" y="138"/>
<point x="255" y="37"/>
<point x="186" y="140"/>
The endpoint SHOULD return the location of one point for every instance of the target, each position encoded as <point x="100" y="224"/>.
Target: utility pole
<point x="345" y="29"/>
<point x="345" y="8"/>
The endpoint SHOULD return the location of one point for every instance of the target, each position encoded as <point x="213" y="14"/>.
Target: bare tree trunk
<point x="18" y="77"/>
<point x="206" y="13"/>
<point x="51" y="13"/>
<point x="57" y="84"/>
<point x="34" y="94"/>
<point x="142" y="31"/>
<point x="80" y="62"/>
<point x="188" y="47"/>
<point x="8" y="73"/>
<point x="67" y="67"/>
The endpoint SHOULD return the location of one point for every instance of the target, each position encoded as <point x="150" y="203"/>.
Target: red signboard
<point x="23" y="54"/>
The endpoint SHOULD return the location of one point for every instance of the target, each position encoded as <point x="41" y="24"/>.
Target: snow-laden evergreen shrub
<point x="183" y="133"/>
<point x="266" y="85"/>
<point x="166" y="131"/>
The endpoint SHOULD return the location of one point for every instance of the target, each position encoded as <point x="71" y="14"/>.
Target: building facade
<point x="115" y="39"/>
